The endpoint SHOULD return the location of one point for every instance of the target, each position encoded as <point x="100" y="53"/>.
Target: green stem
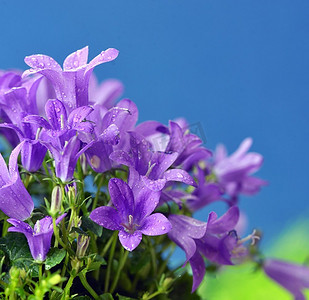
<point x="152" y="295"/>
<point x="40" y="272"/>
<point x="120" y="267"/>
<point x="110" y="261"/>
<point x="59" y="239"/>
<point x="67" y="288"/>
<point x="64" y="268"/>
<point x="107" y="245"/>
<point x="5" y="227"/>
<point x="95" y="201"/>
<point x="86" y="285"/>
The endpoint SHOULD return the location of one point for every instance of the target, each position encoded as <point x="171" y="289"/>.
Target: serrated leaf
<point x="88" y="224"/>
<point x="97" y="262"/>
<point x="54" y="257"/>
<point x="106" y="296"/>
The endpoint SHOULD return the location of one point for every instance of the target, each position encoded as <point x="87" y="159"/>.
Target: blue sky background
<point x="238" y="68"/>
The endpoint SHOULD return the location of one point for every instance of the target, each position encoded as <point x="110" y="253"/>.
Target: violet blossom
<point x="39" y="238"/>
<point x="131" y="214"/>
<point x="293" y="277"/>
<point x="15" y="200"/>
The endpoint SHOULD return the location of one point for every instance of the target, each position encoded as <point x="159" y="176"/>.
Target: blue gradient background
<point x="239" y="68"/>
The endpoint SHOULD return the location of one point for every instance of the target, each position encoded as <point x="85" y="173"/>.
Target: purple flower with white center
<point x="15" y="200"/>
<point x="131" y="214"/>
<point x="151" y="166"/>
<point x="294" y="278"/>
<point x="71" y="82"/>
<point x="234" y="172"/>
<point x="39" y="238"/>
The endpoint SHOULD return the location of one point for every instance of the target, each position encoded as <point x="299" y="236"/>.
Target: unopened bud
<point x="56" y="200"/>
<point x="82" y="245"/>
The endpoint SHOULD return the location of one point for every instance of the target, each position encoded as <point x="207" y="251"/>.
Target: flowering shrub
<point x="111" y="202"/>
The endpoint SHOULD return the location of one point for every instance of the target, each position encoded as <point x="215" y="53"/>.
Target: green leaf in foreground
<point x="54" y="257"/>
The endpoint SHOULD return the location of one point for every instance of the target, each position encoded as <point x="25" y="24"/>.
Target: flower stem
<point x="120" y="267"/>
<point x="67" y="288"/>
<point x="110" y="261"/>
<point x="95" y="201"/>
<point x="86" y="285"/>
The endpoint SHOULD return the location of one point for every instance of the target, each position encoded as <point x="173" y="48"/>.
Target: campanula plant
<point x="98" y="203"/>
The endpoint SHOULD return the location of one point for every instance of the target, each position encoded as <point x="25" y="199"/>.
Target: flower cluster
<point x="150" y="178"/>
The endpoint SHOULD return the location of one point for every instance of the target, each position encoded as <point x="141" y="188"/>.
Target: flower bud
<point x="56" y="200"/>
<point x="82" y="245"/>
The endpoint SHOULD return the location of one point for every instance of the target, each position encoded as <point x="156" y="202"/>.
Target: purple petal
<point x="40" y="61"/>
<point x="130" y="241"/>
<point x="122" y="197"/>
<point x="160" y="162"/>
<point x="179" y="175"/>
<point x="110" y="135"/>
<point x="149" y="128"/>
<point x="98" y="156"/>
<point x="225" y="223"/>
<point x="107" y="217"/>
<point x="32" y="155"/>
<point x="76" y="59"/>
<point x="20" y="226"/>
<point x="198" y="270"/>
<point x="35" y="119"/>
<point x="78" y="115"/>
<point x="55" y="110"/>
<point x="154" y="185"/>
<point x="105" y="56"/>
<point x="155" y="224"/>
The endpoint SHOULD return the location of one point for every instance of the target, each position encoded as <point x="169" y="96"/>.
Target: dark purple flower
<point x="131" y="214"/>
<point x="71" y="82"/>
<point x="294" y="278"/>
<point x="15" y="199"/>
<point x="234" y="172"/>
<point x="39" y="238"/>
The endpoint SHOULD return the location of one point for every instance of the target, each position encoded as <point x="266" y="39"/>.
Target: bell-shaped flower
<point x="16" y="103"/>
<point x="234" y="172"/>
<point x="151" y="166"/>
<point x="293" y="277"/>
<point x="71" y="82"/>
<point x="131" y="214"/>
<point x="15" y="200"/>
<point x="39" y="238"/>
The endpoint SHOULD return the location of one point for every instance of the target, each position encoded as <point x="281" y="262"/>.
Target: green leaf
<point x="54" y="257"/>
<point x="16" y="249"/>
<point x="106" y="296"/>
<point x="88" y="224"/>
<point x="97" y="262"/>
<point x="82" y="298"/>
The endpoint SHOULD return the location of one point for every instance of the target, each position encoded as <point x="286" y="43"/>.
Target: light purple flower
<point x="71" y="82"/>
<point x="131" y="214"/>
<point x="294" y="278"/>
<point x="39" y="238"/>
<point x="15" y="200"/>
<point x="234" y="172"/>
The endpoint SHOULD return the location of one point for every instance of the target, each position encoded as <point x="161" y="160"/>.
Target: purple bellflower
<point x="234" y="172"/>
<point x="212" y="239"/>
<point x="39" y="238"/>
<point x="15" y="200"/>
<point x="151" y="166"/>
<point x="294" y="278"/>
<point x="16" y="103"/>
<point x="131" y="214"/>
<point x="71" y="82"/>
